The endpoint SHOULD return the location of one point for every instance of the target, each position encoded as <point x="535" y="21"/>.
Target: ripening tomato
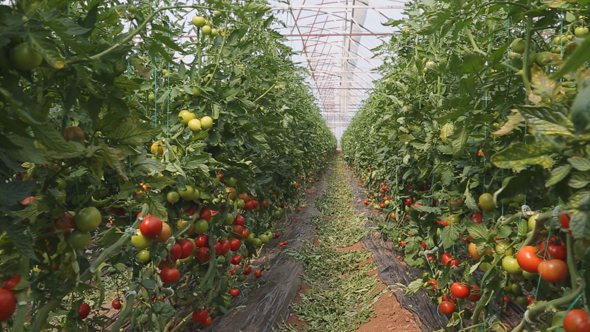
<point x="164" y="234"/>
<point x="528" y="260"/>
<point x="446" y="307"/>
<point x="245" y="233"/>
<point x="239" y="220"/>
<point x="64" y="223"/>
<point x="7" y="304"/>
<point x="205" y="214"/>
<point x="150" y="226"/>
<point x="204" y="254"/>
<point x="238" y="229"/>
<point x="169" y="276"/>
<point x="235" y="245"/>
<point x="459" y="290"/>
<point x="553" y="270"/>
<point x="83" y="311"/>
<point x="576" y="321"/>
<point x="234" y="292"/>
<point x="475" y="294"/>
<point x="187" y="248"/>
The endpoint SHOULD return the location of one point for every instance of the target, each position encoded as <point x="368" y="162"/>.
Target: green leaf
<point x="523" y="228"/>
<point x="519" y="155"/>
<point x="159" y="182"/>
<point x="513" y="120"/>
<point x="579" y="180"/>
<point x="579" y="224"/>
<point x="470" y="200"/>
<point x="504" y="232"/>
<point x="215" y="111"/>
<point x="479" y="232"/>
<point x="114" y="158"/>
<point x="580" y="164"/>
<point x="575" y="60"/>
<point x="49" y="137"/>
<point x="15" y="191"/>
<point x="150" y="284"/>
<point x="21" y="238"/>
<point x="580" y="111"/>
<point x="458" y="141"/>
<point x="134" y="133"/>
<point x="547" y="120"/>
<point x="557" y="174"/>
<point x="26" y="151"/>
<point x="450" y="235"/>
<point x="156" y="206"/>
<point x="168" y="42"/>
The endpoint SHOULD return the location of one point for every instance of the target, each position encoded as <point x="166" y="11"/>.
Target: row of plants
<point x="475" y="145"/>
<point x="147" y="151"/>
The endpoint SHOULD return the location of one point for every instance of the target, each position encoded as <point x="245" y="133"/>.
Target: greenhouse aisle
<point x="341" y="289"/>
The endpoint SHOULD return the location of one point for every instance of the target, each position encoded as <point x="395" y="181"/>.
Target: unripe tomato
<point x="188" y="194"/>
<point x="79" y="240"/>
<point x="172" y="197"/>
<point x="510" y="265"/>
<point x="143" y="255"/>
<point x="201" y="226"/>
<point x="25" y="57"/>
<point x="206" y="123"/>
<point x="503" y="248"/>
<point x="88" y="219"/>
<point x="140" y="241"/>
<point x="486" y="202"/>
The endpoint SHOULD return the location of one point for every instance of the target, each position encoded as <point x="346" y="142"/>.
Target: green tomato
<point x="522" y="300"/>
<point x="518" y="199"/>
<point x="510" y="265"/>
<point x="264" y="238"/>
<point x="231" y="182"/>
<point x="241" y="278"/>
<point x="528" y="275"/>
<point x="140" y="241"/>
<point x="79" y="240"/>
<point x="201" y="226"/>
<point x="172" y="197"/>
<point x="220" y="259"/>
<point x="251" y="237"/>
<point x="61" y="184"/>
<point x="387" y="202"/>
<point x="257" y="242"/>
<point x="486" y="202"/>
<point x="532" y="222"/>
<point x="453" y="220"/>
<point x="484" y="266"/>
<point x="88" y="219"/>
<point x="188" y="194"/>
<point x="516" y="289"/>
<point x="229" y="219"/>
<point x="502" y="248"/>
<point x="143" y="255"/>
<point x="240" y="203"/>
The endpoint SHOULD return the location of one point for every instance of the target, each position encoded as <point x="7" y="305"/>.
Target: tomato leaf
<point x="450" y="235"/>
<point x="114" y="158"/>
<point x="519" y="155"/>
<point x="581" y="164"/>
<point x="134" y="133"/>
<point x="575" y="60"/>
<point x="580" y="110"/>
<point x="547" y="120"/>
<point x="15" y="191"/>
<point x="21" y="238"/>
<point x="557" y="174"/>
<point x="159" y="182"/>
<point x="579" y="180"/>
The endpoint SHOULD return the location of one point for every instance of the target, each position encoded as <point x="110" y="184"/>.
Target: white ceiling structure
<point x="335" y="39"/>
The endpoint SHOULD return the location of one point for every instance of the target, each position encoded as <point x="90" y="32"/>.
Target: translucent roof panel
<point x="335" y="41"/>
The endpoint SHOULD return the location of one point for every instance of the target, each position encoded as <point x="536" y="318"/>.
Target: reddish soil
<point x="293" y="319"/>
<point x="356" y="246"/>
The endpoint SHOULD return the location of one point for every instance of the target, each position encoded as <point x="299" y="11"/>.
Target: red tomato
<point x="8" y="304"/>
<point x="245" y="233"/>
<point x="199" y="316"/>
<point x="116" y="304"/>
<point x="257" y="273"/>
<point x="254" y="204"/>
<point x="10" y="283"/>
<point x="475" y="294"/>
<point x="235" y="260"/>
<point x="576" y="321"/>
<point x="553" y="270"/>
<point x="476" y="217"/>
<point x="205" y="214"/>
<point x="277" y="235"/>
<point x="408" y="201"/>
<point x="446" y="307"/>
<point x="449" y="297"/>
<point x="424" y="245"/>
<point x="238" y="229"/>
<point x="204" y="254"/>
<point x="83" y="311"/>
<point x="169" y="276"/>
<point x="446" y="257"/>
<point x="218" y="249"/>
<point x="235" y="245"/>
<point x="459" y="290"/>
<point x="366" y="202"/>
<point x="63" y="223"/>
<point x="225" y="246"/>
<point x="187" y="248"/>
<point x="208" y="321"/>
<point x="402" y="243"/>
<point x="234" y="292"/>
<point x="150" y="226"/>
<point x="176" y="252"/>
<point x="555" y="249"/>
<point x="565" y="220"/>
<point x="247" y="270"/>
<point x="265" y="203"/>
<point x="527" y="259"/>
<point x="454" y="263"/>
<point x="239" y="220"/>
<point x="530" y="299"/>
<point x="191" y="210"/>
<point x="201" y="240"/>
<point x="28" y="200"/>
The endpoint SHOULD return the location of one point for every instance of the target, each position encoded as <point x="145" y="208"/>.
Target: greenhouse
<point x="295" y="166"/>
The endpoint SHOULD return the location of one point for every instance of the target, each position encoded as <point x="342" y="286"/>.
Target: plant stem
<point x="126" y="312"/>
<point x="21" y="297"/>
